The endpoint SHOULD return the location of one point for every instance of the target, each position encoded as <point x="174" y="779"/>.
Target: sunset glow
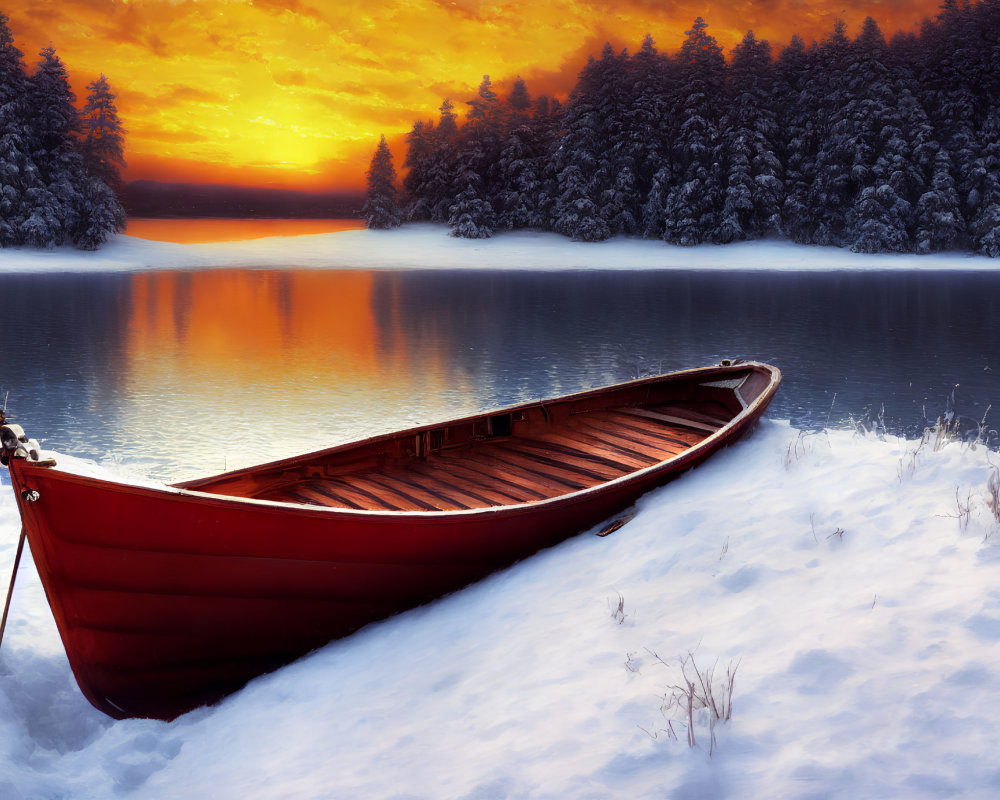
<point x="295" y="93"/>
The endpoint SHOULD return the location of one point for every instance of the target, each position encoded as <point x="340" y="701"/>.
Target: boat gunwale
<point x="179" y="490"/>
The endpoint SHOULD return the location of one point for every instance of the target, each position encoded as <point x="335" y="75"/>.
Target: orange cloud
<point x="295" y="93"/>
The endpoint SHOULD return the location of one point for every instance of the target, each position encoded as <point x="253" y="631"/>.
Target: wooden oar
<point x="10" y="589"/>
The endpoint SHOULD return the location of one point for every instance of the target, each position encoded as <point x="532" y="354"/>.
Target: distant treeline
<point x="155" y="199"/>
<point x="874" y="145"/>
<point x="59" y="167"/>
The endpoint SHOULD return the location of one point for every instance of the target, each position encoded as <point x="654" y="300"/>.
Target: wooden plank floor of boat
<point x="595" y="447"/>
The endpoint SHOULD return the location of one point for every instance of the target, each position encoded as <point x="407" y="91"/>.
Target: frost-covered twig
<point x="696" y="690"/>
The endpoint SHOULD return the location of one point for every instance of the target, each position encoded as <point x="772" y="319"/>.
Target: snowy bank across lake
<point x="428" y="246"/>
<point x="851" y="582"/>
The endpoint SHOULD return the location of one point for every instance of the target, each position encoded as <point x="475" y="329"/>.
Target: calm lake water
<point x="183" y="373"/>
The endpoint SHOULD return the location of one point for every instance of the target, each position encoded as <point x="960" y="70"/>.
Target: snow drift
<point x="850" y="577"/>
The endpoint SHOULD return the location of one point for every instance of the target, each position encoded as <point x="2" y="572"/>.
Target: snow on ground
<point x="851" y="581"/>
<point x="428" y="246"/>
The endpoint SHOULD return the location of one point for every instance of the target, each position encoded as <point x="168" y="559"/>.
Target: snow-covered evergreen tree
<point x="100" y="214"/>
<point x="950" y="97"/>
<point x="419" y="153"/>
<point x="579" y="216"/>
<point x="754" y="189"/>
<point x="695" y="197"/>
<point x="472" y="216"/>
<point x="654" y="213"/>
<point x="801" y="127"/>
<point x="584" y="159"/>
<point x="647" y="133"/>
<point x="939" y="224"/>
<point x="381" y="210"/>
<point x="479" y="143"/>
<point x="18" y="173"/>
<point x="985" y="223"/>
<point x="521" y="168"/>
<point x="441" y="169"/>
<point x="57" y="201"/>
<point x="830" y="194"/>
<point x="547" y="125"/>
<point x="103" y="135"/>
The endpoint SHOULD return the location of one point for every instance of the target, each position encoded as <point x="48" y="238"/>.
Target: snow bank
<point x="428" y="246"/>
<point x="852" y="579"/>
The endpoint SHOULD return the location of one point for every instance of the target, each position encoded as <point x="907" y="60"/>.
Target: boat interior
<point x="521" y="455"/>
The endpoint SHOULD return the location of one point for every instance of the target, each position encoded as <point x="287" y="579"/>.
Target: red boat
<point x="169" y="597"/>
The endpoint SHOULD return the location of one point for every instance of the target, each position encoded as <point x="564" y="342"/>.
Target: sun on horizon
<point x="295" y="94"/>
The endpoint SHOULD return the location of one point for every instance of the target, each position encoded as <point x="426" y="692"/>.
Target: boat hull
<point x="170" y="598"/>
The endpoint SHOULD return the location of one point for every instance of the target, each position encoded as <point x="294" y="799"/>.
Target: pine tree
<point x="472" y="216"/>
<point x="447" y="125"/>
<point x="419" y="152"/>
<point x="583" y="161"/>
<point x="57" y="201"/>
<point x="480" y="141"/>
<point x="832" y="190"/>
<point x="654" y="211"/>
<point x="754" y="190"/>
<point x="547" y="127"/>
<point x="519" y="100"/>
<point x="880" y="183"/>
<point x="694" y="198"/>
<point x="100" y="215"/>
<point x="646" y="130"/>
<point x="438" y="190"/>
<point x="985" y="223"/>
<point x="939" y="219"/>
<point x="381" y="210"/>
<point x="18" y="173"/>
<point x="949" y="95"/>
<point x="800" y="133"/>
<point x="103" y="135"/>
<point x="521" y="167"/>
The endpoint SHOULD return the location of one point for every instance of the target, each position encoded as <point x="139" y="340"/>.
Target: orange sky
<point x="295" y="93"/>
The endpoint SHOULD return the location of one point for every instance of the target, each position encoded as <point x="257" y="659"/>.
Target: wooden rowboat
<point x="169" y="597"/>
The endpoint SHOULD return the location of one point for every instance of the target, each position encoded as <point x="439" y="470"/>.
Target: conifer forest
<point x="59" y="166"/>
<point x="875" y="145"/>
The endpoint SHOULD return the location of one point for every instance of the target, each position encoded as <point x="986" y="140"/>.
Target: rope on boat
<point x="10" y="589"/>
<point x="14" y="444"/>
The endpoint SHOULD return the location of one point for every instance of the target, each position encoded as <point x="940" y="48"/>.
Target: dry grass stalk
<point x="618" y="611"/>
<point x="698" y="689"/>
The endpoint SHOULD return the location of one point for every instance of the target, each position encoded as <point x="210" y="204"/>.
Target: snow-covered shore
<point x="428" y="246"/>
<point x="852" y="579"/>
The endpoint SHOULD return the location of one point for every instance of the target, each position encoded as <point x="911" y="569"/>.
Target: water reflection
<point x="188" y="372"/>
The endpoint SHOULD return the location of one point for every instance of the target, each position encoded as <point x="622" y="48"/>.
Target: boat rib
<point x="596" y="446"/>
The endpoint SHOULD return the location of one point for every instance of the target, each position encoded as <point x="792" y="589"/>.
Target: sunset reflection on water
<point x="185" y="373"/>
<point x="284" y="360"/>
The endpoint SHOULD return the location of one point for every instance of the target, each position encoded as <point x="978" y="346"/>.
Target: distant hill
<point x="155" y="199"/>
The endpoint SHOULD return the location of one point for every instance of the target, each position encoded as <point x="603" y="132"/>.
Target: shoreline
<point x="429" y="246"/>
